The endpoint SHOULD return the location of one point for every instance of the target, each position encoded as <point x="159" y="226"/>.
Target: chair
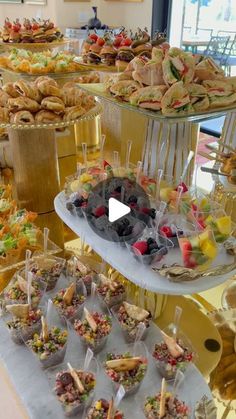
<point x="229" y="59"/>
<point x="216" y="48"/>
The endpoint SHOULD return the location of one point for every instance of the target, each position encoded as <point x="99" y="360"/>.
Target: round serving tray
<point x="34" y="46"/>
<point x="95" y="111"/>
<point x="223" y="317"/>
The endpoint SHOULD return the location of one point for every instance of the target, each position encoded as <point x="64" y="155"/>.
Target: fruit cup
<point x="150" y="248"/>
<point x="220" y="224"/>
<point x="199" y="250"/>
<point x="174" y="225"/>
<point x="127" y="366"/>
<point x="64" y="385"/>
<point x="76" y="204"/>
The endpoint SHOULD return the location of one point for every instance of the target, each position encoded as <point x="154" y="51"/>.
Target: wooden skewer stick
<point x="209" y="157"/>
<point x="110" y="413"/>
<point x="162" y="410"/>
<point x="44" y="329"/>
<point x="90" y="320"/>
<point x="229" y="147"/>
<point x="76" y="379"/>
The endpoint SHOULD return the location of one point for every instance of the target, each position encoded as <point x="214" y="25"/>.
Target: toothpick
<point x="162" y="410"/>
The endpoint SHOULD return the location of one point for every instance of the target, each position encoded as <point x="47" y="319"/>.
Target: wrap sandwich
<point x="176" y="100"/>
<point x="198" y="97"/>
<point x="150" y="74"/>
<point x="123" y="89"/>
<point x="148" y="97"/>
<point x="220" y="93"/>
<point x="178" y="65"/>
<point x="208" y="70"/>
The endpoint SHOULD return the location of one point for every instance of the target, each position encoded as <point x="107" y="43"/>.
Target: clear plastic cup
<point x="217" y="220"/>
<point x="166" y="364"/>
<point x="129" y="326"/>
<point x="174" y="225"/>
<point x="21" y="331"/>
<point x="14" y="295"/>
<point x="73" y="310"/>
<point x="95" y="340"/>
<point x="51" y="352"/>
<point x="99" y="407"/>
<point x="47" y="271"/>
<point x="87" y="269"/>
<point x="131" y="380"/>
<point x="110" y="296"/>
<point x="199" y="250"/>
<point x="149" y="403"/>
<point x="79" y="401"/>
<point x="156" y="255"/>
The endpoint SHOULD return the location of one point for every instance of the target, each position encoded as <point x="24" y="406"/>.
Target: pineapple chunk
<point x="165" y="194"/>
<point x="224" y="225"/>
<point x="209" y="249"/>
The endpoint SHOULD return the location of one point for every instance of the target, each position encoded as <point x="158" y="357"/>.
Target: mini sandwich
<point x="136" y="64"/>
<point x="115" y="78"/>
<point x="178" y="65"/>
<point x="219" y="93"/>
<point x="93" y="56"/>
<point x="148" y="97"/>
<point x="144" y="50"/>
<point x="124" y="89"/>
<point x="158" y="54"/>
<point x="124" y="56"/>
<point x="198" y="97"/>
<point x="176" y="100"/>
<point x="231" y="81"/>
<point x="208" y="70"/>
<point x="149" y="75"/>
<point x="108" y="55"/>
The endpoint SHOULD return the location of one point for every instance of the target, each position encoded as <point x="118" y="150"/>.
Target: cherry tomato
<point x="126" y="42"/>
<point x="94" y="37"/>
<point x="117" y="41"/>
<point x="35" y="26"/>
<point x="100" y="42"/>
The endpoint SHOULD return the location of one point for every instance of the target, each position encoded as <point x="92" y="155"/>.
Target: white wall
<point x="114" y="13"/>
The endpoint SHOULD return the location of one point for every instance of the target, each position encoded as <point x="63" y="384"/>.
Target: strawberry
<point x="185" y="189"/>
<point x="100" y="42"/>
<point x="201" y="223"/>
<point x="166" y="231"/>
<point x="145" y="210"/>
<point x="99" y="211"/>
<point x="94" y="37"/>
<point x="141" y="247"/>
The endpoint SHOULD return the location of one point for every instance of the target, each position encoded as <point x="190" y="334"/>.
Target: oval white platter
<point x="120" y="259"/>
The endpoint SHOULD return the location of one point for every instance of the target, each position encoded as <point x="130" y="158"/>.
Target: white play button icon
<point x="116" y="210"/>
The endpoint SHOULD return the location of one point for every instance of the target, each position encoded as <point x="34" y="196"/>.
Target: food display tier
<point x="32" y="383"/>
<point x="98" y="89"/>
<point x="95" y="111"/>
<point x="34" y="46"/>
<point x="6" y="72"/>
<point x="120" y="258"/>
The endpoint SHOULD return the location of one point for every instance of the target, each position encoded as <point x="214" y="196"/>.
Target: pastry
<point x="47" y="117"/>
<point x="4" y="115"/>
<point x="28" y="89"/>
<point x="49" y="88"/>
<point x="3" y="98"/>
<point x="10" y="89"/>
<point x="47" y="79"/>
<point x="52" y="103"/>
<point x="23" y="103"/>
<point x="72" y="96"/>
<point x="22" y="117"/>
<point x="73" y="113"/>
